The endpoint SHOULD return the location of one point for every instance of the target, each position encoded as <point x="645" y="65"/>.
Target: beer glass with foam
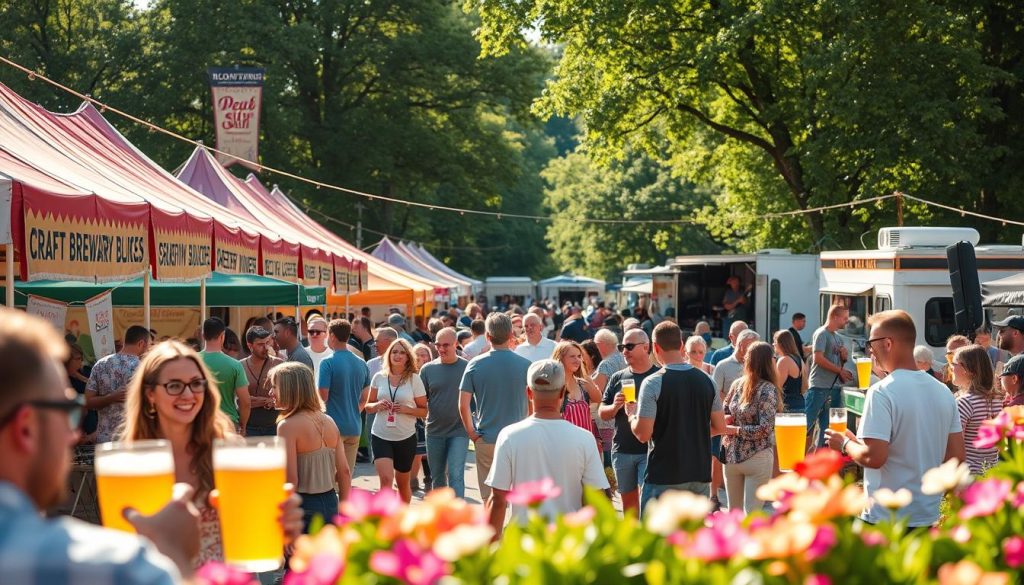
<point x="837" y="420"/>
<point x="249" y="475"/>
<point x="139" y="474"/>
<point x="863" y="372"/>
<point x="629" y="390"/>
<point x="790" y="438"/>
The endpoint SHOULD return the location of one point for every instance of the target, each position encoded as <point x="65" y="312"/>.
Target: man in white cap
<point x="544" y="446"/>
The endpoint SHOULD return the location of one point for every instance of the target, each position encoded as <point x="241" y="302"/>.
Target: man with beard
<point x="262" y="414"/>
<point x="1011" y="334"/>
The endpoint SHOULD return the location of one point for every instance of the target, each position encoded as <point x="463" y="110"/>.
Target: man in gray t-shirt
<point x="826" y="373"/>
<point x="497" y="380"/>
<point x="447" y="443"/>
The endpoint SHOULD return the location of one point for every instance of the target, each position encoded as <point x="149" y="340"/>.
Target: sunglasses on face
<point x="316" y="332"/>
<point x="627" y="346"/>
<point x="176" y="387"/>
<point x="74" y="407"/>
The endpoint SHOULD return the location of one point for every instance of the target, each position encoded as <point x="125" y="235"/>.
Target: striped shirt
<point x="974" y="410"/>
<point x="38" y="551"/>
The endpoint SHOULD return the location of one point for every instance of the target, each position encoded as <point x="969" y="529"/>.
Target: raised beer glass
<point x="139" y="474"/>
<point x="791" y="438"/>
<point x="249" y="474"/>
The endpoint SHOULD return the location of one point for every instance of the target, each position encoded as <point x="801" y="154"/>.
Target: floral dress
<point x="756" y="421"/>
<point x="211" y="547"/>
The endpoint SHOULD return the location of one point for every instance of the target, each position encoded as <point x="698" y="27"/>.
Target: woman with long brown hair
<point x="580" y="390"/>
<point x="173" y="396"/>
<point x="977" y="399"/>
<point x="748" y="447"/>
<point x="398" y="398"/>
<point x="789" y="371"/>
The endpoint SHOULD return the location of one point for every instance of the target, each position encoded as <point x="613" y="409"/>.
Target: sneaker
<point x="428" y="483"/>
<point x="415" y="484"/>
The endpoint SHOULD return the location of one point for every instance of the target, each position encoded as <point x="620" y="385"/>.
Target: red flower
<point x="820" y="465"/>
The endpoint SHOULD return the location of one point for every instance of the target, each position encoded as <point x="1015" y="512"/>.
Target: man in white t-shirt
<point x="478" y="344"/>
<point x="910" y="424"/>
<point x="543" y="446"/>
<point x="537" y="347"/>
<point x="318" y="350"/>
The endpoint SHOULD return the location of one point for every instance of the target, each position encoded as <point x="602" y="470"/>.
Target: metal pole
<point x="359" y="225"/>
<point x="899" y="209"/>
<point x="9" y="252"/>
<point x="145" y="301"/>
<point x="346" y="305"/>
<point x="202" y="299"/>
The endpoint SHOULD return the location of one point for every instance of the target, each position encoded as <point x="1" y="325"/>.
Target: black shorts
<point x="400" y="452"/>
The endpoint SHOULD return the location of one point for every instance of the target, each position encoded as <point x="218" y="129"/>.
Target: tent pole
<point x="9" y="253"/>
<point x="346" y="305"/>
<point x="145" y="301"/>
<point x="202" y="299"/>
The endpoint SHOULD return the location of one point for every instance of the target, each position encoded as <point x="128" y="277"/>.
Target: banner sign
<point x="317" y="268"/>
<point x="55" y="312"/>
<point x="353" y="276"/>
<point x="280" y="259"/>
<point x="183" y="246"/>
<point x="236" y="251"/>
<point x="364" y="276"/>
<point x="100" y="311"/>
<point x="237" y="99"/>
<point x="169" y="322"/>
<point x="340" y="275"/>
<point x="82" y="238"/>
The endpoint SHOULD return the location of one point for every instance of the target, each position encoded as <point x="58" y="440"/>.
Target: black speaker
<point x="963" y="276"/>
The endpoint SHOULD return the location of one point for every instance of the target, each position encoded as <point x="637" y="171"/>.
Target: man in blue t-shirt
<point x="497" y="380"/>
<point x="344" y="386"/>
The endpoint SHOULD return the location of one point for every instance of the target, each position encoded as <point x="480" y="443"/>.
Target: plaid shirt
<point x="38" y="551"/>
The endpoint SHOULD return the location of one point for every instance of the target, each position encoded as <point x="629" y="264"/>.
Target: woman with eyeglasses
<point x="171" y="397"/>
<point x="977" y="399"/>
<point x="696" y="349"/>
<point x="397" y="398"/>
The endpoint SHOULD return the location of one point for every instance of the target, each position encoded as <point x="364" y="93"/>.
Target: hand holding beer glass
<point x="837" y="420"/>
<point x="629" y="390"/>
<point x="139" y="475"/>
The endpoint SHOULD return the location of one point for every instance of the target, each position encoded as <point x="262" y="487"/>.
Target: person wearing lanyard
<point x="263" y="413"/>
<point x="398" y="398"/>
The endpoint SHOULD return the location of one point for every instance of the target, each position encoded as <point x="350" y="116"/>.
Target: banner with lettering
<point x="100" y="311"/>
<point x="236" y="251"/>
<point x="353" y="276"/>
<point x="317" y="268"/>
<point x="85" y="238"/>
<point x="341" y="270"/>
<point x="169" y="322"/>
<point x="50" y="310"/>
<point x="280" y="259"/>
<point x="182" y="246"/>
<point x="364" y="276"/>
<point x="237" y="99"/>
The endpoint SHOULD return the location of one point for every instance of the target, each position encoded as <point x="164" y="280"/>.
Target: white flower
<point x="462" y="541"/>
<point x="674" y="507"/>
<point x="946" y="477"/>
<point x="901" y="498"/>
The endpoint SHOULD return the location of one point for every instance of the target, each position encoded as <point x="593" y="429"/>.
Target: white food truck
<point x="908" y="271"/>
<point x="776" y="284"/>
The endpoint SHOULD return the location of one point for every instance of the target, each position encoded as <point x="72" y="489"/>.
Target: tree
<point x="778" y="105"/>
<point x="637" y="188"/>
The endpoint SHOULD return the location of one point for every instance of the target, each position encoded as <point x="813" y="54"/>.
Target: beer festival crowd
<point x="564" y="397"/>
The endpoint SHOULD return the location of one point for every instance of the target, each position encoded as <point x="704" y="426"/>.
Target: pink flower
<point x="322" y="569"/>
<point x="872" y="538"/>
<point x="988" y="436"/>
<point x="533" y="493"/>
<point x="409" y="564"/>
<point x="960" y="534"/>
<point x="221" y="574"/>
<point x="817" y="580"/>
<point x="722" y="538"/>
<point x="984" y="498"/>
<point x="1017" y="433"/>
<point x="581" y="517"/>
<point x="1013" y="550"/>
<point x="1018" y="496"/>
<point x="823" y="542"/>
<point x="362" y="504"/>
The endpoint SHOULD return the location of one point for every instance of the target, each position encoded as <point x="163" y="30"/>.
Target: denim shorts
<point x="324" y="505"/>
<point x="629" y="469"/>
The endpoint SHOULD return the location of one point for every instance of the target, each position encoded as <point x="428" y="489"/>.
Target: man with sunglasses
<point x="447" y="441"/>
<point x="910" y="424"/>
<point x="629" y="456"/>
<point x="38" y="426"/>
<point x="318" y="349"/>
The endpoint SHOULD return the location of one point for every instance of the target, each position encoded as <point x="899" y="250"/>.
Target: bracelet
<point x="846" y="442"/>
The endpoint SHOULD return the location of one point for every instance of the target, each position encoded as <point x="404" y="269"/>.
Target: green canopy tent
<point x="222" y="290"/>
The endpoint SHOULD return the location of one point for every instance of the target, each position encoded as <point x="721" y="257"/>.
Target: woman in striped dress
<point x="580" y="390"/>
<point x="977" y="399"/>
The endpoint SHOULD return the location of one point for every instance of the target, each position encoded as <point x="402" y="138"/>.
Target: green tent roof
<point x="222" y="290"/>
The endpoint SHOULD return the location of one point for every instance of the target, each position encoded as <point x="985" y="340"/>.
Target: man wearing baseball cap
<point x="1011" y="334"/>
<point x="544" y="446"/>
<point x="397" y="322"/>
<point x="1011" y="379"/>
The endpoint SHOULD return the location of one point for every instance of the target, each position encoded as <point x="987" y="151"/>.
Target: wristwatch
<point x="842" y="449"/>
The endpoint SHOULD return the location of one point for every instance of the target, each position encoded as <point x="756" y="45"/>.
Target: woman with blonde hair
<point x="315" y="452"/>
<point x="977" y="400"/>
<point x="398" y="398"/>
<point x="749" y="443"/>
<point x="580" y="390"/>
<point x="173" y="396"/>
<point x="696" y="348"/>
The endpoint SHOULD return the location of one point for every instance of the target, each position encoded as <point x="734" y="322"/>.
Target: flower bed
<point x="811" y="538"/>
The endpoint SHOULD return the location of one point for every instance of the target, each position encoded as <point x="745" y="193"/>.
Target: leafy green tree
<point x="777" y="105"/>
<point x="636" y="188"/>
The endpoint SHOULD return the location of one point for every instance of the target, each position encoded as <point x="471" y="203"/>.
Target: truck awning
<point x="849" y="289"/>
<point x="1005" y="292"/>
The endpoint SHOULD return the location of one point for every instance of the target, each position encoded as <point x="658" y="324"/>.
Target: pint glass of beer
<point x="790" y="438"/>
<point x="837" y="420"/>
<point x="863" y="372"/>
<point x="629" y="390"/>
<point x="249" y="474"/>
<point x="139" y="475"/>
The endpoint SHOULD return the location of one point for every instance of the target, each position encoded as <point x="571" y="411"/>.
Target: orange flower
<point x="820" y="465"/>
<point x="439" y="513"/>
<point x="782" y="539"/>
<point x="823" y="502"/>
<point x="968" y="573"/>
<point x="330" y="541"/>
